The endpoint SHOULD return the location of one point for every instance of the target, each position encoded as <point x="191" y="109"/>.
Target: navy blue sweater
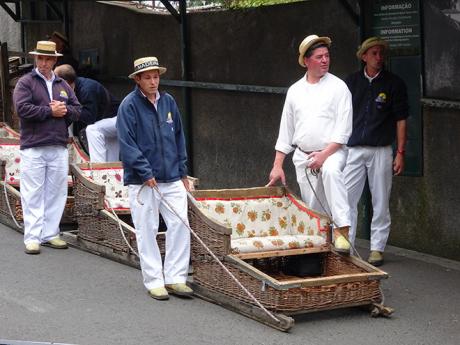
<point x="98" y="103"/>
<point x="152" y="142"/>
<point x="377" y="106"/>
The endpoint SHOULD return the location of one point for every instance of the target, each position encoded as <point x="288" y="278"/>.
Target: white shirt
<point x="314" y="115"/>
<point x="49" y="83"/>
<point x="370" y="78"/>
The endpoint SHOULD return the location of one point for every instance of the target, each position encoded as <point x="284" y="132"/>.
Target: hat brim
<point x="324" y="39"/>
<point x="160" y="69"/>
<point x="45" y="54"/>
<point x="364" y="49"/>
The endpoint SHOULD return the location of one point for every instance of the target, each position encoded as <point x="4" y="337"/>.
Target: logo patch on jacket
<point x="63" y="94"/>
<point x="381" y="98"/>
<point x="169" y="119"/>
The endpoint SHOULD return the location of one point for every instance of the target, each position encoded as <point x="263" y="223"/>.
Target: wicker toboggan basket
<point x="344" y="282"/>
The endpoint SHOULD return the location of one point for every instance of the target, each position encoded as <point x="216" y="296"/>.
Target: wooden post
<point x="5" y="83"/>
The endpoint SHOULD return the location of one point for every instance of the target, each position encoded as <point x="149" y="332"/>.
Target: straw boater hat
<point x="369" y="43"/>
<point x="308" y="42"/>
<point x="46" y="48"/>
<point x="147" y="64"/>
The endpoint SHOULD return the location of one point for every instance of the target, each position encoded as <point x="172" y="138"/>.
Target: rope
<point x="315" y="173"/>
<point x="208" y="250"/>
<point x="8" y="203"/>
<point x="121" y="228"/>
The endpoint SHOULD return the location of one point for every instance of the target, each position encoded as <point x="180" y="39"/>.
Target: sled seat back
<point x="266" y="222"/>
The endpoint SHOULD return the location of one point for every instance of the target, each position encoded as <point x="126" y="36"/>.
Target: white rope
<point x="121" y="228"/>
<point x="208" y="250"/>
<point x="315" y="173"/>
<point x="8" y="203"/>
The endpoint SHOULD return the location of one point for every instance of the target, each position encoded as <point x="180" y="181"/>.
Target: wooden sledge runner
<point x="260" y="234"/>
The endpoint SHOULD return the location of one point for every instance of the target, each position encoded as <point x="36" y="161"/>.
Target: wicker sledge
<point x="103" y="214"/>
<point x="10" y="197"/>
<point x="266" y="237"/>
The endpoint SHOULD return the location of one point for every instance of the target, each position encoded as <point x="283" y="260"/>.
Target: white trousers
<point x="44" y="173"/>
<point x="377" y="164"/>
<point x="146" y="220"/>
<point x="102" y="141"/>
<point x="329" y="186"/>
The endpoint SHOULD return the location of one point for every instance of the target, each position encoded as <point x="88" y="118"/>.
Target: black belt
<point x="306" y="152"/>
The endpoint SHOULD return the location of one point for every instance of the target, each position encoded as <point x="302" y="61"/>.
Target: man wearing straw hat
<point x="316" y="123"/>
<point x="46" y="106"/>
<point x="152" y="149"/>
<point x="380" y="110"/>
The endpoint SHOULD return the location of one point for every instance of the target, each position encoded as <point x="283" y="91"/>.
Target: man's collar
<point x="371" y="78"/>
<point x="157" y="94"/>
<point x="53" y="76"/>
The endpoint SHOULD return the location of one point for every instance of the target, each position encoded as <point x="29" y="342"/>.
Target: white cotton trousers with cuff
<point x="146" y="221"/>
<point x="102" y="139"/>
<point x="44" y="172"/>
<point x="377" y="164"/>
<point x="329" y="186"/>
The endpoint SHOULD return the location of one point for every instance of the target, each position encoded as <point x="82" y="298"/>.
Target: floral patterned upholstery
<point x="7" y="132"/>
<point x="263" y="224"/>
<point x="116" y="194"/>
<point x="11" y="155"/>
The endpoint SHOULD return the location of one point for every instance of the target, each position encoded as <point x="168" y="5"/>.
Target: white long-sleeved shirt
<point x="314" y="115"/>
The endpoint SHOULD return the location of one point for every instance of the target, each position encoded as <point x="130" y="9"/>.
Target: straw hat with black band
<point x="308" y="43"/>
<point x="369" y="43"/>
<point x="147" y="64"/>
<point x="46" y="48"/>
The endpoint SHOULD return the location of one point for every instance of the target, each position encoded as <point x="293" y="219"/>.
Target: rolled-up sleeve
<point x="286" y="131"/>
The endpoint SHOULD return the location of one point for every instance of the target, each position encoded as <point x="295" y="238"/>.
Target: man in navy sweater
<point x="152" y="149"/>
<point x="98" y="116"/>
<point x="380" y="110"/>
<point x="46" y="106"/>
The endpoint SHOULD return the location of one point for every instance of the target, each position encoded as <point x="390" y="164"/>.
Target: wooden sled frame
<point x="350" y="282"/>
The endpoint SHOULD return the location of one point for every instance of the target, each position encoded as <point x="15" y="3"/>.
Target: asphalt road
<point x="73" y="297"/>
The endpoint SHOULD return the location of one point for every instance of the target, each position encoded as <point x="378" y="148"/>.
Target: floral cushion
<point x="8" y="132"/>
<point x="259" y="244"/>
<point x="10" y="153"/>
<point x="75" y="154"/>
<point x="116" y="194"/>
<point x="267" y="223"/>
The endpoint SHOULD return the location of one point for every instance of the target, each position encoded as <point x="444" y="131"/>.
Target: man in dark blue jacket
<point x="380" y="109"/>
<point x="152" y="148"/>
<point x="46" y="106"/>
<point x="98" y="115"/>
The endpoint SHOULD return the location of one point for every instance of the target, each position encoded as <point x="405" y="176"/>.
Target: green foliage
<point x="254" y="3"/>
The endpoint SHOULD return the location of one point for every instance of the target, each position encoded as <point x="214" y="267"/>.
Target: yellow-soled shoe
<point x="159" y="293"/>
<point x="341" y="245"/>
<point x="56" y="243"/>
<point x="32" y="248"/>
<point x="179" y="289"/>
<point x="375" y="258"/>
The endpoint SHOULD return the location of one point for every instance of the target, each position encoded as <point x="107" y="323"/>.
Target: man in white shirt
<point x="316" y="122"/>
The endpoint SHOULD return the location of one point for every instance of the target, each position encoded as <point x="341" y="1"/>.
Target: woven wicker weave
<point x="357" y="283"/>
